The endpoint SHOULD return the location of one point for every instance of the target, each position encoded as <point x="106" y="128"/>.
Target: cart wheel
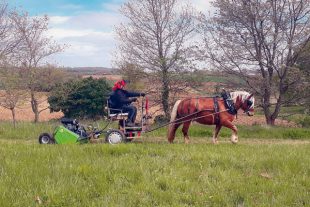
<point x="115" y="137"/>
<point x="46" y="138"/>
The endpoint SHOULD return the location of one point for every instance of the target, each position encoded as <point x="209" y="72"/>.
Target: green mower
<point x="70" y="132"/>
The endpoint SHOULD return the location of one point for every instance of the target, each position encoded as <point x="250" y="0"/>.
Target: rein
<point x="177" y="121"/>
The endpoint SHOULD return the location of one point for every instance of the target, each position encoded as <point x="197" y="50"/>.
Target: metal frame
<point x="129" y="132"/>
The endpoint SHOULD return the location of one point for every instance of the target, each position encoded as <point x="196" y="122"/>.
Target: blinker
<point x="249" y="103"/>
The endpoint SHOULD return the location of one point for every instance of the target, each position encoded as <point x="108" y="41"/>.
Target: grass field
<point x="28" y="131"/>
<point x="148" y="174"/>
<point x="265" y="171"/>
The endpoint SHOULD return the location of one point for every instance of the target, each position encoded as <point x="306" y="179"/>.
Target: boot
<point x="129" y="124"/>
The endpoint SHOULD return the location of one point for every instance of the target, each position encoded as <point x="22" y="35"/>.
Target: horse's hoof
<point x="215" y="142"/>
<point x="234" y="141"/>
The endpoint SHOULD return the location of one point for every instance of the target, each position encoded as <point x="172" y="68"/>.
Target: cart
<point x="71" y="131"/>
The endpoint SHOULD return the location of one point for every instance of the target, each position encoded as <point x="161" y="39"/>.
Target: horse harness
<point x="216" y="111"/>
<point x="228" y="102"/>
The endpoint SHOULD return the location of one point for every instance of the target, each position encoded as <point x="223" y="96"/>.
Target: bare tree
<point x="35" y="47"/>
<point x="259" y="41"/>
<point x="8" y="36"/>
<point x="134" y="75"/>
<point x="155" y="38"/>
<point x="12" y="95"/>
<point x="304" y="64"/>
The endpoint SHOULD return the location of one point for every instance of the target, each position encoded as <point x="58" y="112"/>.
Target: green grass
<point x="30" y="132"/>
<point x="148" y="174"/>
<point x="257" y="132"/>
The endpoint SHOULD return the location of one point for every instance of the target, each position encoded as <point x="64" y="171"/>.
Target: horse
<point x="210" y="111"/>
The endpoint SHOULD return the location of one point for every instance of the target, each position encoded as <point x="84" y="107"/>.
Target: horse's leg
<point x="234" y="136"/>
<point x="216" y="132"/>
<point x="185" y="131"/>
<point x="171" y="132"/>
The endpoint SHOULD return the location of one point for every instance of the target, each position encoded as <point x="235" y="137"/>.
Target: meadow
<point x="269" y="167"/>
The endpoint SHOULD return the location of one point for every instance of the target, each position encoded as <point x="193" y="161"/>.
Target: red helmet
<point x="119" y="84"/>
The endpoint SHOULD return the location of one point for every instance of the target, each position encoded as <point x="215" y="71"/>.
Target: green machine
<point x="69" y="133"/>
<point x="63" y="135"/>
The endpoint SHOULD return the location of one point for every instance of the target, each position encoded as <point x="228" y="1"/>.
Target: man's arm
<point x="134" y="94"/>
<point x="122" y="98"/>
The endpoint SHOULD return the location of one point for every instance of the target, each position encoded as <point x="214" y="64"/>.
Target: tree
<point x="84" y="98"/>
<point x="12" y="95"/>
<point x="8" y="36"/>
<point x="134" y="75"/>
<point x="155" y="38"/>
<point x="34" y="48"/>
<point x="259" y="41"/>
<point x="304" y="65"/>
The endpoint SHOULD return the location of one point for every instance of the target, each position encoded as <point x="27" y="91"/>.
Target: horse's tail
<point x="173" y="127"/>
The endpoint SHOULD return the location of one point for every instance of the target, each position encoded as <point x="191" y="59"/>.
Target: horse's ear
<point x="250" y="96"/>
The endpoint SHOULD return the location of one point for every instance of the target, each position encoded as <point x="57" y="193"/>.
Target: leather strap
<point x="216" y="111"/>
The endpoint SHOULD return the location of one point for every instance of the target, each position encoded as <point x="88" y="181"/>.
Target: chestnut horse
<point x="204" y="110"/>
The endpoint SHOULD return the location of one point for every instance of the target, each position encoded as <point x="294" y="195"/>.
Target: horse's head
<point x="245" y="101"/>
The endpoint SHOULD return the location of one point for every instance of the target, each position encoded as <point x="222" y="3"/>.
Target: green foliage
<point x="149" y="174"/>
<point x="305" y="122"/>
<point x="160" y="120"/>
<point x="82" y="98"/>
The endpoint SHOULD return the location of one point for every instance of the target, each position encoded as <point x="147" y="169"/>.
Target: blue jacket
<point x="120" y="98"/>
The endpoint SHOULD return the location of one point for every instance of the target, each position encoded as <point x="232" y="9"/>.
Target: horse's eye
<point x="249" y="102"/>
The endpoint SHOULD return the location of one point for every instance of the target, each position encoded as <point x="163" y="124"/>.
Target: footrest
<point x="118" y="116"/>
<point x="121" y="114"/>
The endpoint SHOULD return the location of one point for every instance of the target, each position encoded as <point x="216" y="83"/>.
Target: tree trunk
<point x="13" y="117"/>
<point x="165" y="93"/>
<point x="270" y="120"/>
<point x="35" y="107"/>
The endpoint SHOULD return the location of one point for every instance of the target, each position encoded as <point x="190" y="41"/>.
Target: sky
<point x="85" y="26"/>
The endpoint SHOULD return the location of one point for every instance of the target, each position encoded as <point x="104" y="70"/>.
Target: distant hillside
<point x="90" y="70"/>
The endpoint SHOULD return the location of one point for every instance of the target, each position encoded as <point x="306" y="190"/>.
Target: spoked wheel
<point x="46" y="138"/>
<point x="115" y="137"/>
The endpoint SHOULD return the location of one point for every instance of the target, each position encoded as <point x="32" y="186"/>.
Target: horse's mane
<point x="243" y="94"/>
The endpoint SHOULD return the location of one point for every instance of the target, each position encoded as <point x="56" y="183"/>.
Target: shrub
<point x="161" y="119"/>
<point x="305" y="122"/>
<point x="83" y="98"/>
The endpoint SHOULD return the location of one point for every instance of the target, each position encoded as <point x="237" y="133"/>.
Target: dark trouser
<point x="132" y="112"/>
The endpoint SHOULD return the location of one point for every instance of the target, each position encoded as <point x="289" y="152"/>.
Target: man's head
<point x="119" y="84"/>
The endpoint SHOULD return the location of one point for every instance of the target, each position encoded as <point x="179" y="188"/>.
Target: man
<point x="122" y="99"/>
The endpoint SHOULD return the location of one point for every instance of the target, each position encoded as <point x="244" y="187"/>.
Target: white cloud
<point x="54" y="20"/>
<point x="90" y="34"/>
<point x="202" y="5"/>
<point x="60" y="33"/>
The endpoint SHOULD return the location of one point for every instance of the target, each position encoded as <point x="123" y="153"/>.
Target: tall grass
<point x="154" y="175"/>
<point x="30" y="132"/>
<point x="258" y="132"/>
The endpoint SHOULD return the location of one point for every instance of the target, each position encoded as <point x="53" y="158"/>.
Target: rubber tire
<point x="46" y="138"/>
<point x="118" y="136"/>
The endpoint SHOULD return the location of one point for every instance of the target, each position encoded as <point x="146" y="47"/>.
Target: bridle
<point x="249" y="104"/>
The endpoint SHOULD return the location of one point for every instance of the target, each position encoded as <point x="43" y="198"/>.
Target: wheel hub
<point x="45" y="140"/>
<point x="115" y="138"/>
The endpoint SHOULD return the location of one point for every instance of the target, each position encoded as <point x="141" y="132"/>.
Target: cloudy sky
<point x="86" y="26"/>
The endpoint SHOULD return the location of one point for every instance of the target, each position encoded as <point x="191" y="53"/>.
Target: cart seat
<point x="115" y="114"/>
